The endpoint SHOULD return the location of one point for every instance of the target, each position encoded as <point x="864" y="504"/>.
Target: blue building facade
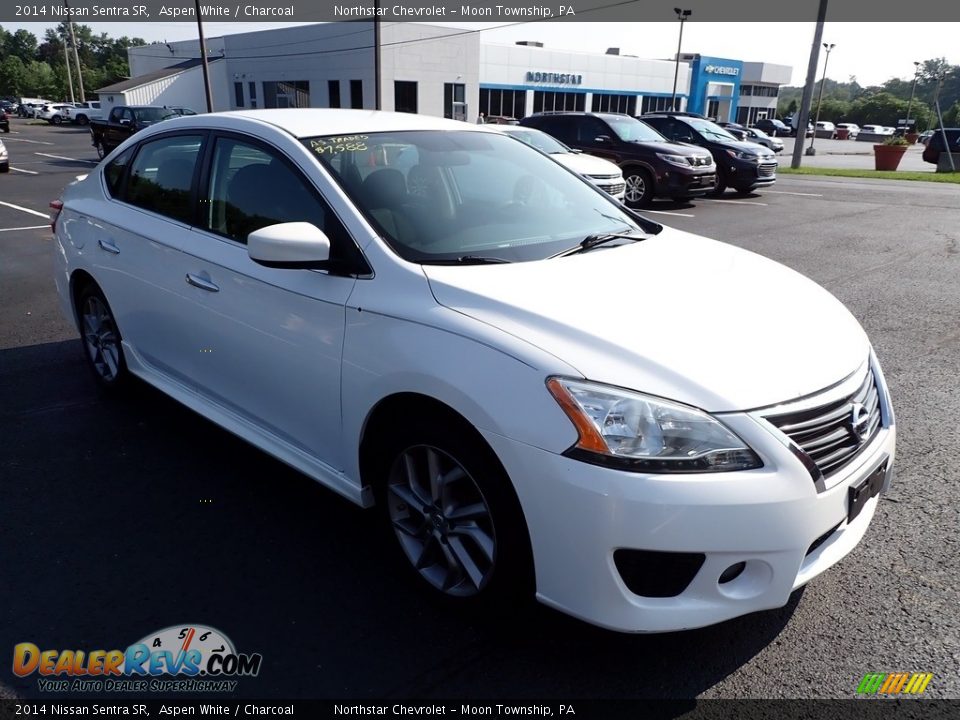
<point x="714" y="86"/>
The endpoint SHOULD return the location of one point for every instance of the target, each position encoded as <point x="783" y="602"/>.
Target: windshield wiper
<point x="592" y="241"/>
<point x="471" y="260"/>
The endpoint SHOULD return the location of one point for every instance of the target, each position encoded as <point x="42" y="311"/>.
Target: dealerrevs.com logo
<point x="181" y="658"/>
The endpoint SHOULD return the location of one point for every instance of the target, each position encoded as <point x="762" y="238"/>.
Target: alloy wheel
<point x="442" y="520"/>
<point x="636" y="188"/>
<point x="100" y="338"/>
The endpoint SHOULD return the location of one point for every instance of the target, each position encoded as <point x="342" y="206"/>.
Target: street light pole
<point x="682" y="16"/>
<point x="823" y="81"/>
<point x="913" y="90"/>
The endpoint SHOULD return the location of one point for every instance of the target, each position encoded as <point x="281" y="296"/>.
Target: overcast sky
<point x="874" y="52"/>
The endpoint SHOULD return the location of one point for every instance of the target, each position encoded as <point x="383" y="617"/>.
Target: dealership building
<point x="438" y="71"/>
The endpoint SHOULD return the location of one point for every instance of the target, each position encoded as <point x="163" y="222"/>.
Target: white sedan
<point x="540" y="390"/>
<point x="602" y="173"/>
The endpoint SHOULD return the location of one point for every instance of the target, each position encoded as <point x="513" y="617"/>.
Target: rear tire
<point x="452" y="512"/>
<point x="639" y="190"/>
<point x="5" y="168"/>
<point x="56" y="119"/>
<point x="82" y="120"/>
<point x="102" y="343"/>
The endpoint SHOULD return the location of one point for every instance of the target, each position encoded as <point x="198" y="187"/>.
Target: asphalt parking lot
<point x="122" y="516"/>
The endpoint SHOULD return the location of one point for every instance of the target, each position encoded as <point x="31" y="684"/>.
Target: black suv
<point x="772" y="127"/>
<point x="652" y="165"/>
<point x="740" y="165"/>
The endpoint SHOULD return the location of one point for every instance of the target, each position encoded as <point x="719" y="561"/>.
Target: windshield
<point x="540" y="140"/>
<point x="759" y="133"/>
<point x="151" y="114"/>
<point x="630" y="129"/>
<point x="448" y="196"/>
<point x="709" y="130"/>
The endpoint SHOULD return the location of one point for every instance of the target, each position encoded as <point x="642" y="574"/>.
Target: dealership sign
<point x="556" y="78"/>
<point x="721" y="70"/>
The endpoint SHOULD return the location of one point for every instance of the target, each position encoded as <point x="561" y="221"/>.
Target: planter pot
<point x="887" y="157"/>
<point x="912" y="138"/>
<point x="843" y="134"/>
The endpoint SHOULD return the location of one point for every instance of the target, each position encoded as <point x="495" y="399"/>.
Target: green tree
<point x="881" y="108"/>
<point x="12" y="77"/>
<point x="21" y="44"/>
<point x="39" y="80"/>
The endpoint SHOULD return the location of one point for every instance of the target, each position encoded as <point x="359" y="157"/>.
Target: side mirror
<point x="125" y="121"/>
<point x="602" y="139"/>
<point x="685" y="138"/>
<point x="292" y="245"/>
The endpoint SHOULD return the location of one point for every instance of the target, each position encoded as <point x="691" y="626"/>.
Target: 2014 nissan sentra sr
<point x="537" y="387"/>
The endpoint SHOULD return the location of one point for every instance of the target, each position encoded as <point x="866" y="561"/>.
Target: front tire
<point x="82" y="120"/>
<point x="639" y="188"/>
<point x="5" y="168"/>
<point x="56" y="120"/>
<point x="453" y="513"/>
<point x="102" y="343"/>
<point x="101" y="150"/>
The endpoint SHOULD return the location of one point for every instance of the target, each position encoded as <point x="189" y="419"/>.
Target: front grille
<point x="613" y="189"/>
<point x="767" y="170"/>
<point x="833" y="434"/>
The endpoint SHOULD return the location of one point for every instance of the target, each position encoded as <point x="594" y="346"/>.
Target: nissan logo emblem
<point x="859" y="421"/>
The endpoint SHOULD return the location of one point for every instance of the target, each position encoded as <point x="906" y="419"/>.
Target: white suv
<point x="83" y="112"/>
<point x="537" y="387"/>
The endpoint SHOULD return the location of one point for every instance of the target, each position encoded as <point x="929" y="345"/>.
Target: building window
<point x="658" y="104"/>
<point x="626" y="104"/>
<point x="746" y="90"/>
<point x="454" y="101"/>
<point x="505" y="103"/>
<point x="252" y="87"/>
<point x="547" y="101"/>
<point x="356" y="94"/>
<point x="333" y="90"/>
<point x="238" y="94"/>
<point x="404" y="96"/>
<point x="286" y="94"/>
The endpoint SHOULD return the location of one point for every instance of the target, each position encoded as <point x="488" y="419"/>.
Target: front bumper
<point x="681" y="183"/>
<point x="773" y="519"/>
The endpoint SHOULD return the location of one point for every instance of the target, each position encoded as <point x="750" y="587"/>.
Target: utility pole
<point x="203" y="59"/>
<point x="913" y="90"/>
<point x="376" y="55"/>
<point x="803" y="116"/>
<point x="682" y="16"/>
<point x="66" y="56"/>
<point x="828" y="48"/>
<point x="76" y="57"/>
<point x="943" y="131"/>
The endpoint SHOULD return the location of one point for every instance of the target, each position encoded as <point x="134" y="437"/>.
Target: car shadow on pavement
<point x="127" y="514"/>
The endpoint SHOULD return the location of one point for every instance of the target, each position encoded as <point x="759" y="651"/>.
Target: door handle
<point x="108" y="246"/>
<point x="201" y="283"/>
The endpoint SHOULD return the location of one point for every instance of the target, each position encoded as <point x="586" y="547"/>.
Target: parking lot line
<point x="26" y="210"/>
<point x="784" y="192"/>
<point x="29" y="172"/>
<point x="63" y="157"/>
<point x="35" y="142"/>
<point x="736" y="202"/>
<point x="28" y="227"/>
<point x="667" y="212"/>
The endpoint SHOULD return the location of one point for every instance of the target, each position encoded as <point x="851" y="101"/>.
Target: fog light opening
<point x="732" y="572"/>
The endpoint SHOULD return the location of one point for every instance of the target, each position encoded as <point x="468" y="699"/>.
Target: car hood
<point x="743" y="145"/>
<point x="677" y="316"/>
<point x="674" y="148"/>
<point x="586" y="164"/>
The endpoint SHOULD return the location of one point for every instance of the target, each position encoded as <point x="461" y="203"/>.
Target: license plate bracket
<point x="868" y="488"/>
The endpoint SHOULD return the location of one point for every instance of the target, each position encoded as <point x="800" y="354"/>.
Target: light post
<point x="682" y="16"/>
<point x="913" y="90"/>
<point x="823" y="81"/>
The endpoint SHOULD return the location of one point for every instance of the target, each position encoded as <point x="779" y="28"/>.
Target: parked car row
<point x="675" y="155"/>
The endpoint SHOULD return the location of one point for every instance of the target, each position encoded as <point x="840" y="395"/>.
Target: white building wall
<point x="157" y="56"/>
<point x="310" y="53"/>
<point x="182" y="90"/>
<point x="507" y="66"/>
<point x="426" y="55"/>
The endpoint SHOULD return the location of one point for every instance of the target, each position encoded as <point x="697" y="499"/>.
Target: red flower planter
<point x="887" y="157"/>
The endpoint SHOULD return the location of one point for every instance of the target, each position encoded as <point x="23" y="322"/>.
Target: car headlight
<point x="641" y="433"/>
<point x="744" y="155"/>
<point x="674" y="159"/>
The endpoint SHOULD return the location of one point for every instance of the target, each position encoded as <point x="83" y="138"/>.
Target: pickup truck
<point x="82" y="113"/>
<point x="124" y="121"/>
